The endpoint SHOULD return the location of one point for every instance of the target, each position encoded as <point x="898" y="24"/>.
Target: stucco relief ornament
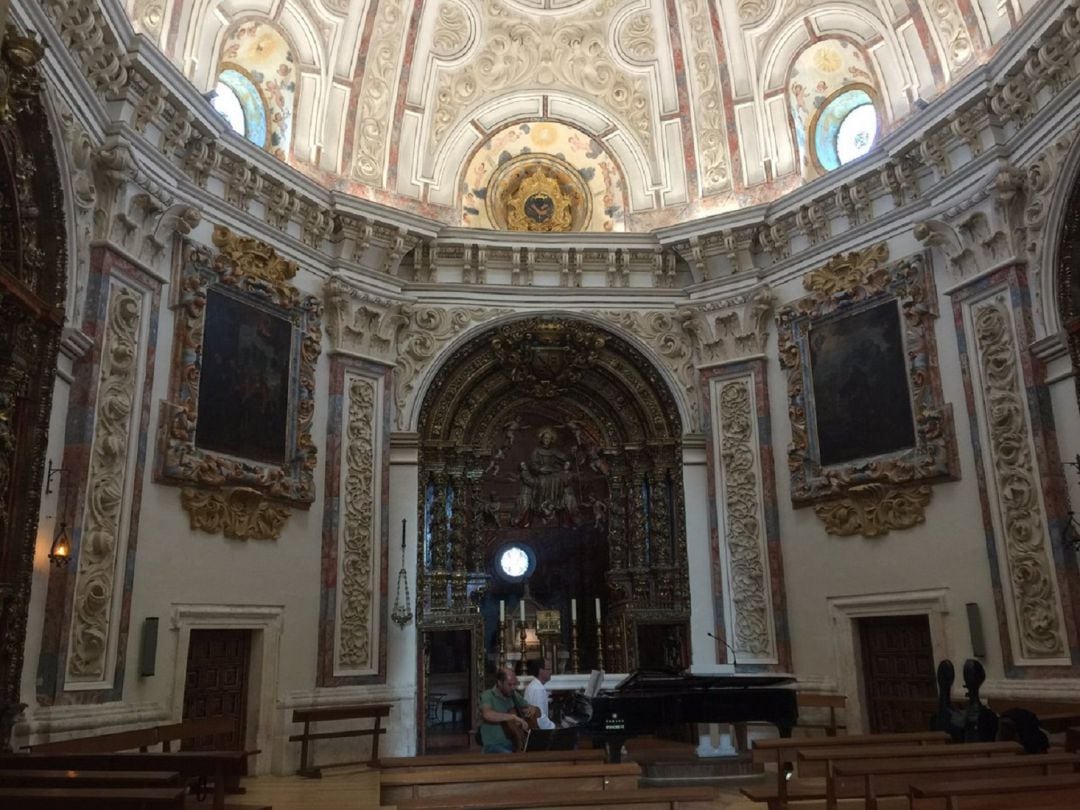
<point x="239" y="513"/>
<point x="546" y="358"/>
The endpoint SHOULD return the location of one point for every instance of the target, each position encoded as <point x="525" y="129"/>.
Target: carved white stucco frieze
<point x="1028" y="578"/>
<point x="100" y="541"/>
<point x="359" y="543"/>
<point x="743" y="525"/>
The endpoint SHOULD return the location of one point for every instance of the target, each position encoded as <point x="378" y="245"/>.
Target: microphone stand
<point x="734" y="662"/>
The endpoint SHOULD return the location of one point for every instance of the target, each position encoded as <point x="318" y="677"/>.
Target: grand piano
<point x="645" y="701"/>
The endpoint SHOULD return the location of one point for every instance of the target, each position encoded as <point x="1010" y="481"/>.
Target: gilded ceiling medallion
<point x="538" y="193"/>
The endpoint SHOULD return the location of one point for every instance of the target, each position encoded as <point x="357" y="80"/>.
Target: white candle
<point x="523" y="611"/>
<point x="598" y="608"/>
<point x="502" y="610"/>
<point x="573" y="610"/>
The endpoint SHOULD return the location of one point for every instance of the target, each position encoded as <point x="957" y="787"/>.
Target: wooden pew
<point x="873" y="778"/>
<point x="476" y="781"/>
<point x="820" y="761"/>
<point x="367" y="711"/>
<point x="43" y="798"/>
<point x="677" y="798"/>
<point x="140" y="738"/>
<point x="1072" y="738"/>
<point x="588" y="755"/>
<point x="1055" y="716"/>
<point x="219" y="767"/>
<point x="59" y="778"/>
<point x="821" y="700"/>
<point x="1056" y="792"/>
<point x="784" y="749"/>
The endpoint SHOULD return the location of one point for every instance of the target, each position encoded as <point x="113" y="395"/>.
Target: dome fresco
<point x="685" y="109"/>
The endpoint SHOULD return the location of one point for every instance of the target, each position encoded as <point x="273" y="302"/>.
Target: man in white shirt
<point x="536" y="693"/>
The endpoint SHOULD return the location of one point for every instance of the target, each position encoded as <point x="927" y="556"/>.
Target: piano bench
<point x="798" y="790"/>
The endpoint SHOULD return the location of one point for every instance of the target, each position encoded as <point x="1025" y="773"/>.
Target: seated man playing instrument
<point x="502" y="709"/>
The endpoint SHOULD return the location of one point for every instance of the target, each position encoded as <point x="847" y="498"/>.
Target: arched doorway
<point x="32" y="291"/>
<point x="550" y="483"/>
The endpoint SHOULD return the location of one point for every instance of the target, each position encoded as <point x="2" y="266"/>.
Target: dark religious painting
<point x="244" y="380"/>
<point x="862" y="403"/>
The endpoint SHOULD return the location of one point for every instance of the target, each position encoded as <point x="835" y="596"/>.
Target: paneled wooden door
<point x="216" y="684"/>
<point x="898" y="672"/>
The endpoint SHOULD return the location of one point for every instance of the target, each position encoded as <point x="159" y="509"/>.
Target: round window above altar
<point x="515" y="562"/>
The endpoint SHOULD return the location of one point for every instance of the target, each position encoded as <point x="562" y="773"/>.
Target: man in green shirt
<point x="500" y="704"/>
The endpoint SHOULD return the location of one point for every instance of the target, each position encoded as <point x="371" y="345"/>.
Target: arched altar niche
<point x="1068" y="275"/>
<point x="560" y="436"/>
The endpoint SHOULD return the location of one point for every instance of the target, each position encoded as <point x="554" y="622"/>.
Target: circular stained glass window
<point x="856" y="134"/>
<point x="514" y="562"/>
<point x="845" y="129"/>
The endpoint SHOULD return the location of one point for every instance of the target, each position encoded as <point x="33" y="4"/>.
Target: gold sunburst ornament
<point x="539" y="204"/>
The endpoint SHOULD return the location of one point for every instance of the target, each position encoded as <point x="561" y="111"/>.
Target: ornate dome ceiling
<point x="638" y="113"/>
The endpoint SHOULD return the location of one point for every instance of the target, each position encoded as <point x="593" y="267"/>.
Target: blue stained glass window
<point x="239" y="103"/>
<point x="846" y="129"/>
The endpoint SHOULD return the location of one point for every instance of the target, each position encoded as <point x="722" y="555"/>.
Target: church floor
<point x="358" y="787"/>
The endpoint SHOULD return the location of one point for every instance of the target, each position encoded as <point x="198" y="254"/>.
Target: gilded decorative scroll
<point x="239" y="513"/>
<point x="1028" y="557"/>
<point x="253" y="275"/>
<point x="359" y="533"/>
<point x="850" y="286"/>
<point x="744" y="532"/>
<point x="100" y="536"/>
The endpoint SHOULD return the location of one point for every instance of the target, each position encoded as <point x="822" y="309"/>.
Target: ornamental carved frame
<point x="253" y="273"/>
<point x="874" y="495"/>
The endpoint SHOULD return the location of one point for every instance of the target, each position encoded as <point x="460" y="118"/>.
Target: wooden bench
<point x="369" y="711"/>
<point x="821" y="761"/>
<point x="871" y="779"/>
<point x="1055" y="716"/>
<point x="220" y="767"/>
<point x="140" y="738"/>
<point x="1057" y="792"/>
<point x="780" y="749"/>
<point x="507" y="780"/>
<point x="60" y="778"/>
<point x="588" y="755"/>
<point x="1072" y="738"/>
<point x="677" y="798"/>
<point x="821" y="700"/>
<point x="44" y="798"/>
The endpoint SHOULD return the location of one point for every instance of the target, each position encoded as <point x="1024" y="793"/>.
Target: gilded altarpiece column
<point x="747" y="563"/>
<point x="353" y="612"/>
<point x="86" y="626"/>
<point x="1023" y="502"/>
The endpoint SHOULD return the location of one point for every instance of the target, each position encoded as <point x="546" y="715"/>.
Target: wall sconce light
<point x="49" y="476"/>
<point x="60" y="553"/>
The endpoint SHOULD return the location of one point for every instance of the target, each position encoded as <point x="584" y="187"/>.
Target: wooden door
<point x="898" y="672"/>
<point x="216" y="684"/>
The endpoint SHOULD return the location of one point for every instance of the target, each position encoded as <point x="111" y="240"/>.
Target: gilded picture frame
<point x="870" y="427"/>
<point x="236" y="311"/>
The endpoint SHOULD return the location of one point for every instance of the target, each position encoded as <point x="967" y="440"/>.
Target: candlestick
<point x="573" y="610"/>
<point x="599" y="641"/>
<point x="521" y="662"/>
<point x="598" y="608"/>
<point x="502" y="610"/>
<point x="575" y="663"/>
<point x="501" y="652"/>
<point x="523" y="610"/>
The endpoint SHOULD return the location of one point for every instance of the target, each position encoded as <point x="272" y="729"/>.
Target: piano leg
<point x="614" y="746"/>
<point x="785" y="733"/>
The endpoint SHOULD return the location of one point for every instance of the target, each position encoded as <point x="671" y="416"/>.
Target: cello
<point x="514" y="732"/>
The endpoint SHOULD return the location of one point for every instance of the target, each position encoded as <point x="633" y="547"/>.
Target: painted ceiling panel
<point x="689" y="100"/>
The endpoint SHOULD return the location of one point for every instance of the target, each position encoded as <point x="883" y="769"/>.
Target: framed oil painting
<point x="243" y="376"/>
<point x="870" y="428"/>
